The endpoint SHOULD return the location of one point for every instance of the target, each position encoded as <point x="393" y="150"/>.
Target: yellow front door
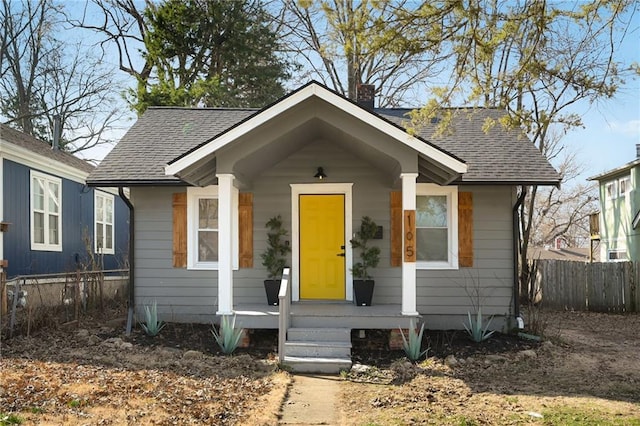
<point x="322" y="247"/>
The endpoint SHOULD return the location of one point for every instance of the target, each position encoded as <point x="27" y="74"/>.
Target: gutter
<point x="132" y="299"/>
<point x="516" y="248"/>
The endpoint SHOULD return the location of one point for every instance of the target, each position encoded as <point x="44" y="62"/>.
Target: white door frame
<point x="319" y="189"/>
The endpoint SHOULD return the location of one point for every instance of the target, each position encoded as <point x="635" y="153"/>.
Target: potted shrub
<point x="369" y="258"/>
<point x="274" y="258"/>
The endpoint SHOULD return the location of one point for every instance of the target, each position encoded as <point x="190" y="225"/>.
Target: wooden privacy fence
<point x="582" y="286"/>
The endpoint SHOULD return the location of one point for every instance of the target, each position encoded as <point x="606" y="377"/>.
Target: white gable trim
<point x="296" y="98"/>
<point x="34" y="160"/>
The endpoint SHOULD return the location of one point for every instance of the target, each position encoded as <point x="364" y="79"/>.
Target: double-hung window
<point x="202" y="228"/>
<point x="624" y="185"/>
<point x="611" y="190"/>
<point x="46" y="212"/>
<point x="104" y="229"/>
<point x="437" y="227"/>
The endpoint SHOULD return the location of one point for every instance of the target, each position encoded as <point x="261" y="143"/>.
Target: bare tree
<point x="391" y="45"/>
<point x="122" y="26"/>
<point x="46" y="77"/>
<point x="535" y="60"/>
<point x="563" y="212"/>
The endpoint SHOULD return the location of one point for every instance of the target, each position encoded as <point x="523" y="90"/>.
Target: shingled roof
<point x="28" y="142"/>
<point x="162" y="134"/>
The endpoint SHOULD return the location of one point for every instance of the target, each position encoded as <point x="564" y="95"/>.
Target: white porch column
<point x="225" y="244"/>
<point x="408" y="268"/>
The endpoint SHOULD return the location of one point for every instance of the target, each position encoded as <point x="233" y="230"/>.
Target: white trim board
<point x="315" y="90"/>
<point x="36" y="161"/>
<point x="313" y="189"/>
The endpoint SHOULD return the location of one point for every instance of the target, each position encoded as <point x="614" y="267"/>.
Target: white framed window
<point x="617" y="255"/>
<point x="436" y="226"/>
<point x="202" y="228"/>
<point x="611" y="190"/>
<point x="46" y="212"/>
<point x="104" y="233"/>
<point x="624" y="186"/>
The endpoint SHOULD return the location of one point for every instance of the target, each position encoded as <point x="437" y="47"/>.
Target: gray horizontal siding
<point x="489" y="282"/>
<point x="178" y="292"/>
<point x="185" y="295"/>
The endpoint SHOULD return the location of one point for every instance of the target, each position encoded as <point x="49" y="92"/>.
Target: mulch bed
<point x="373" y="349"/>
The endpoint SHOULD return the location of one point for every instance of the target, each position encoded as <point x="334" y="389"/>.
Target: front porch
<point x="325" y="315"/>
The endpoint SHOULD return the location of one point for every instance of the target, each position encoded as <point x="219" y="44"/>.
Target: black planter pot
<point x="272" y="287"/>
<point x="363" y="290"/>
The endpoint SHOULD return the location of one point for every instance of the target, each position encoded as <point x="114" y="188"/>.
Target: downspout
<point x="516" y="248"/>
<point x="132" y="299"/>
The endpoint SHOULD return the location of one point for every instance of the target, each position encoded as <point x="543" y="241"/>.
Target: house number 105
<point x="409" y="235"/>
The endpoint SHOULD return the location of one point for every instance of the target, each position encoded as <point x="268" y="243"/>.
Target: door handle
<point x="340" y="254"/>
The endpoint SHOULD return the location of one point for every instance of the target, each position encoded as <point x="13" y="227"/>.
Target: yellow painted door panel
<point x="322" y="268"/>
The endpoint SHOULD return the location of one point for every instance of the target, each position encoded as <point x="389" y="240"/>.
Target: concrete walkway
<point x="311" y="401"/>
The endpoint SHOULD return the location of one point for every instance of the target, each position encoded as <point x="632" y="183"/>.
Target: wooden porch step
<point x="317" y="364"/>
<point x="318" y="350"/>
<point x="307" y="334"/>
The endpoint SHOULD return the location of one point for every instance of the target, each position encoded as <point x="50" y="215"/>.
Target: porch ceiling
<point x="246" y="152"/>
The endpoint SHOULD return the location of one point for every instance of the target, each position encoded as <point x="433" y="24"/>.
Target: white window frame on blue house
<point x="451" y="194"/>
<point x="46" y="180"/>
<point x="194" y="195"/>
<point x="101" y="221"/>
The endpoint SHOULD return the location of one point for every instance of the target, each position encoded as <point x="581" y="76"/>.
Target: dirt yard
<point x="587" y="373"/>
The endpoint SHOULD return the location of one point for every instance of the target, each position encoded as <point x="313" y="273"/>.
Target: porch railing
<point x="284" y="311"/>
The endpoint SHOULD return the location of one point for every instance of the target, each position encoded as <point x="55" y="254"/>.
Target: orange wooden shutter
<point x="396" y="228"/>
<point x="245" y="222"/>
<point x="180" y="230"/>
<point x="465" y="229"/>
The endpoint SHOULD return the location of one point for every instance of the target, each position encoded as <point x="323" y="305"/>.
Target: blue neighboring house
<point x="50" y="218"/>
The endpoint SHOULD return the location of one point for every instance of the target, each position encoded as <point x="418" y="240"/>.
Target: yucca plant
<point x="412" y="344"/>
<point x="227" y="336"/>
<point x="476" y="330"/>
<point x="152" y="325"/>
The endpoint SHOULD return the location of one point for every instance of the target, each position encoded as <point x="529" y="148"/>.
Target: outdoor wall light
<point x="320" y="175"/>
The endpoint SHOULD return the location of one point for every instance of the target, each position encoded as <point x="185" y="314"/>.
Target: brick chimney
<point x="365" y="95"/>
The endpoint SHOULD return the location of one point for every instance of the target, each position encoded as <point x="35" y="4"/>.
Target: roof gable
<point x="451" y="166"/>
<point x="164" y="135"/>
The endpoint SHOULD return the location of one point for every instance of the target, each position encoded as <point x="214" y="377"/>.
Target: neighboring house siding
<point x="635" y="208"/>
<point x="616" y="231"/>
<point x="192" y="295"/>
<point x="77" y="215"/>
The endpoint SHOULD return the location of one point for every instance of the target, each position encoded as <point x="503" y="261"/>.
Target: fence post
<point x="14" y="307"/>
<point x="77" y="298"/>
<point x="634" y="269"/>
<point x="4" y="306"/>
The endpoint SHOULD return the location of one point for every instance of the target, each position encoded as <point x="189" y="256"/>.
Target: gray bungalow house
<point x="204" y="182"/>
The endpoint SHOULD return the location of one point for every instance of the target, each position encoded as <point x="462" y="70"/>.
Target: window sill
<point x="105" y="252"/>
<point x="206" y="267"/>
<point x="428" y="266"/>
<point x="45" y="247"/>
